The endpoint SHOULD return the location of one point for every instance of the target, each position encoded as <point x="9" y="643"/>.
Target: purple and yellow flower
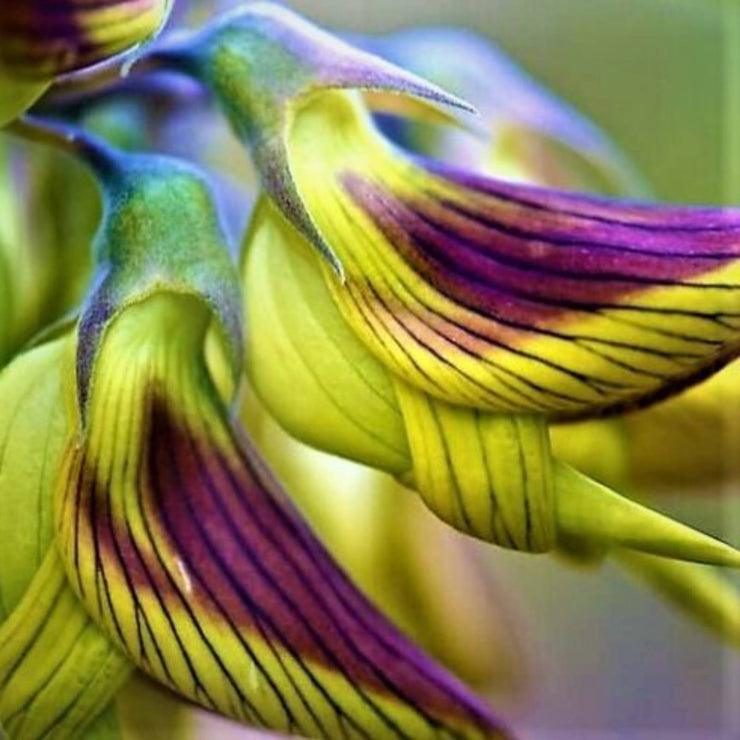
<point x="42" y="39"/>
<point x="414" y="316"/>
<point x="171" y="546"/>
<point x="531" y="136"/>
<point x="434" y="321"/>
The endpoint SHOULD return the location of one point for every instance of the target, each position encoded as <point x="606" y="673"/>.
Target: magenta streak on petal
<point x="509" y="266"/>
<point x="258" y="569"/>
<point x="648" y="216"/>
<point x="520" y="263"/>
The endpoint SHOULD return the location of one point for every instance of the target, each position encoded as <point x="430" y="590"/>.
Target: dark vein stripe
<point x="352" y="601"/>
<point x="258" y="614"/>
<point x="534" y="197"/>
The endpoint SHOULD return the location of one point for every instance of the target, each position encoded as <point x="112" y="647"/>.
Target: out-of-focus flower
<point x="41" y="39"/>
<point x="46" y="242"/>
<point x="524" y="131"/>
<point x="173" y="547"/>
<point x="453" y="317"/>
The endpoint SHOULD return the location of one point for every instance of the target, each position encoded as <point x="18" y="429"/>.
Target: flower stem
<point x="100" y="157"/>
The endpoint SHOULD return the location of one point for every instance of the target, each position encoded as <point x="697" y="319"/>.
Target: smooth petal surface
<point x="298" y="339"/>
<point x="179" y="540"/>
<point x="512" y="298"/>
<point x="33" y="430"/>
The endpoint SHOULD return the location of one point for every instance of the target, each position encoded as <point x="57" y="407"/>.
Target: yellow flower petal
<point x="179" y="542"/>
<point x="58" y="671"/>
<point x="33" y="432"/>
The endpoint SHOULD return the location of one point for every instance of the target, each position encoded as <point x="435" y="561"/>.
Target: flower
<point x="453" y="316"/>
<point x="551" y="128"/>
<point x="173" y="546"/>
<point x="40" y="39"/>
<point x="532" y="136"/>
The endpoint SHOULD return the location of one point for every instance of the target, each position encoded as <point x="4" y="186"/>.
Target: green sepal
<point x="589" y="510"/>
<point x="160" y="233"/>
<point x="261" y="61"/>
